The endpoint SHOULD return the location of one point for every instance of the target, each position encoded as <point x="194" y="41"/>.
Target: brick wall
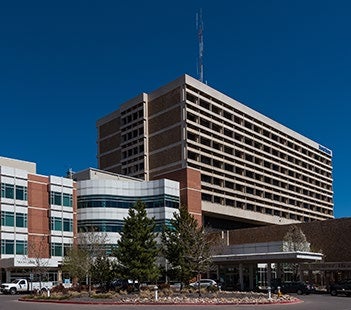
<point x="190" y="189"/>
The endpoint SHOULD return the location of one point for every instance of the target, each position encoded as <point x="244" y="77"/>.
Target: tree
<point x="76" y="263"/>
<point x="295" y="240"/>
<point x="81" y="258"/>
<point x="102" y="272"/>
<point x="38" y="253"/>
<point x="186" y="246"/>
<point x="137" y="250"/>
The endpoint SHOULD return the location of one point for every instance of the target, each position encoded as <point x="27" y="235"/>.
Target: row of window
<point x="21" y="220"/>
<point x="18" y="192"/>
<point x="309" y="191"/>
<point x="20" y="247"/>
<point x="250" y="123"/>
<point x="111" y="201"/>
<point x="61" y="199"/>
<point x="253" y="206"/>
<point x="260" y="190"/>
<point x="59" y="249"/>
<point x="61" y="224"/>
<point x="12" y="191"/>
<point x="115" y="226"/>
<point x="260" y="147"/>
<point x="14" y="220"/>
<point x="272" y="166"/>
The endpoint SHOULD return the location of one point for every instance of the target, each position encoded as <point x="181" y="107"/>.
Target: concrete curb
<point x="295" y="301"/>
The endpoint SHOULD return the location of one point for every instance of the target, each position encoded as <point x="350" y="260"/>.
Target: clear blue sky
<point x="65" y="64"/>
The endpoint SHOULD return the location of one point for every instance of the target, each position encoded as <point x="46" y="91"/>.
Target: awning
<point x="271" y="257"/>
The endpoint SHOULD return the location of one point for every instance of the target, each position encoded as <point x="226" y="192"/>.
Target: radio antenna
<point x="200" y="32"/>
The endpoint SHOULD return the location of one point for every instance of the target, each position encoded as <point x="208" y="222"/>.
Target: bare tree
<point x="38" y="256"/>
<point x="80" y="260"/>
<point x="295" y="240"/>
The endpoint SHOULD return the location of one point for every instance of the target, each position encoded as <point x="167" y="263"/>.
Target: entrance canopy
<point x="270" y="257"/>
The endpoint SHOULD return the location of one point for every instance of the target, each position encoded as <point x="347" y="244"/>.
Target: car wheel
<point x="299" y="292"/>
<point x="13" y="291"/>
<point x="333" y="292"/>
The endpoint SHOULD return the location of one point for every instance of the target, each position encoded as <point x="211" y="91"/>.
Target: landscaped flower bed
<point x="166" y="296"/>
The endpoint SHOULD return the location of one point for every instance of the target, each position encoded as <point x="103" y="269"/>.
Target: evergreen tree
<point x="101" y="272"/>
<point x="186" y="246"/>
<point x="137" y="249"/>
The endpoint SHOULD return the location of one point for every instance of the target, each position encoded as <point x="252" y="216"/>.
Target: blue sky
<point x="65" y="64"/>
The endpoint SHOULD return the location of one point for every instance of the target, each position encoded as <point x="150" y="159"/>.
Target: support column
<point x="241" y="276"/>
<point x="278" y="270"/>
<point x="300" y="273"/>
<point x="269" y="274"/>
<point x="251" y="276"/>
<point x="8" y="276"/>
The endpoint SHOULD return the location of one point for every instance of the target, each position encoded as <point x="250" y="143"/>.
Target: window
<point x="21" y="247"/>
<point x="21" y="220"/>
<point x="56" y="249"/>
<point x="21" y="192"/>
<point x="8" y="219"/>
<point x="67" y="200"/>
<point x="7" y="191"/>
<point x="55" y="198"/>
<point x="61" y="199"/>
<point x="9" y="246"/>
<point x="59" y="224"/>
<point x="56" y="223"/>
<point x="67" y="225"/>
<point x="66" y="248"/>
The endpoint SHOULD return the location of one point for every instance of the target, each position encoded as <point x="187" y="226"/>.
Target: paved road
<point x="310" y="302"/>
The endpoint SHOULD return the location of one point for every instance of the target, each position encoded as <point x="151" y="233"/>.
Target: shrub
<point x="59" y="289"/>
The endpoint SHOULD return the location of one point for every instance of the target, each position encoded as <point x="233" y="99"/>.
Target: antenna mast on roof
<point x="200" y="32"/>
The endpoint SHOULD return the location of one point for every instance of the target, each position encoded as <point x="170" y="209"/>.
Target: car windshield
<point x="14" y="281"/>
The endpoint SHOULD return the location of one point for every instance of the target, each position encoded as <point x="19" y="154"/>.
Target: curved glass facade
<point x="103" y="203"/>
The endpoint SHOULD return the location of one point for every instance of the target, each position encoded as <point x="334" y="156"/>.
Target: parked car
<point x="342" y="287"/>
<point x="176" y="285"/>
<point x="204" y="283"/>
<point x="124" y="285"/>
<point x="299" y="287"/>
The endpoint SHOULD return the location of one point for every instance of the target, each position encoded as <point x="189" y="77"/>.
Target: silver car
<point x="204" y="283"/>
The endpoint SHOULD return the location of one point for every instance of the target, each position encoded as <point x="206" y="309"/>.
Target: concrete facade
<point x="242" y="168"/>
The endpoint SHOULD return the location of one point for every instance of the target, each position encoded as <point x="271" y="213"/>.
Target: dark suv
<point x="342" y="287"/>
<point x="299" y="287"/>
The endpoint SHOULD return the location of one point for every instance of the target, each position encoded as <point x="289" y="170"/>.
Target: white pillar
<point x="269" y="274"/>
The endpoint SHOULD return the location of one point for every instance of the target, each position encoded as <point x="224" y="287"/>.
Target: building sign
<point x="327" y="266"/>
